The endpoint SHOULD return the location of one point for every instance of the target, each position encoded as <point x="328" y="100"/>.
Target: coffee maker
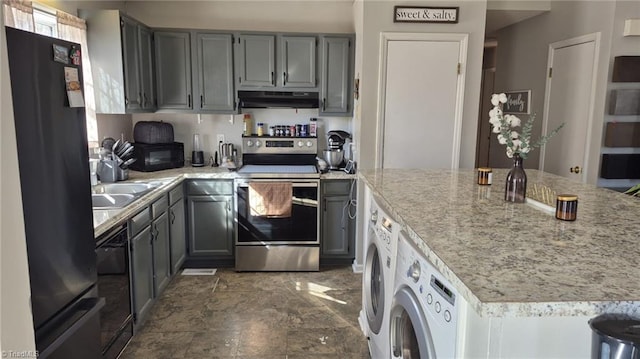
<point x="337" y="153"/>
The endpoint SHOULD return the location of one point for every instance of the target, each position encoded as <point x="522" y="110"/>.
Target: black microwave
<point x="156" y="157"/>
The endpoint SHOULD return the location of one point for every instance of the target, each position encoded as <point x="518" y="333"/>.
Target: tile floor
<point x="256" y="315"/>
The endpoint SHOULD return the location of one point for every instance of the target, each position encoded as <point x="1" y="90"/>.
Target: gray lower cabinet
<point x="150" y="260"/>
<point x="173" y="70"/>
<point x="213" y="75"/>
<point x="141" y="272"/>
<point x="337" y="62"/>
<point x="210" y="219"/>
<point x="161" y="259"/>
<point x="178" y="229"/>
<point x="338" y="229"/>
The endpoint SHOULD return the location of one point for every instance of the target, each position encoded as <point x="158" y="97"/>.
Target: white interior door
<point x="421" y="100"/>
<point x="569" y="99"/>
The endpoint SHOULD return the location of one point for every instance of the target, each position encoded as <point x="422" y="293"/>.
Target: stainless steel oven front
<point x="266" y="243"/>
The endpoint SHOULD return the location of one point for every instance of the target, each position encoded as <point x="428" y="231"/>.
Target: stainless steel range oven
<point x="276" y="205"/>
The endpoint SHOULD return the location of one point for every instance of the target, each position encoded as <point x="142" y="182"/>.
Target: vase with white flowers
<point x="519" y="145"/>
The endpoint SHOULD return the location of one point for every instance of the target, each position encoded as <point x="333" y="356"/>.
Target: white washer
<point x="424" y="313"/>
<point x="377" y="280"/>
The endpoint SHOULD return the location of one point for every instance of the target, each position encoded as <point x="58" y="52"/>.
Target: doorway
<point x="569" y="97"/>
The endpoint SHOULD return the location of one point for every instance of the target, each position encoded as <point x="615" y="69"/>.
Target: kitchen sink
<point x="111" y="201"/>
<point x="123" y="188"/>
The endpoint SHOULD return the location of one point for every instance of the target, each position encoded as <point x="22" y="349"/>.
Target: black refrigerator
<point x="53" y="162"/>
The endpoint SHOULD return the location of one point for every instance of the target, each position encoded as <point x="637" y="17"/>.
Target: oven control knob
<point x="300" y="143"/>
<point x="447" y="315"/>
<point x="438" y="307"/>
<point x="258" y="143"/>
<point x="309" y="143"/>
<point x="249" y="143"/>
<point x="414" y="271"/>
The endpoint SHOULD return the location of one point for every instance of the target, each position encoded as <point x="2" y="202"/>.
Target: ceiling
<point x="498" y="19"/>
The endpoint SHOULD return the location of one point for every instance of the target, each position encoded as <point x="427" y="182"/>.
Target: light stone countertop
<point x="103" y="220"/>
<point x="514" y="260"/>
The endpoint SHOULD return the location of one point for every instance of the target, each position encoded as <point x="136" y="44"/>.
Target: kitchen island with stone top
<point x="514" y="263"/>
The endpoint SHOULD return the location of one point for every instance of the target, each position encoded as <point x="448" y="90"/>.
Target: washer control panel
<point x="434" y="292"/>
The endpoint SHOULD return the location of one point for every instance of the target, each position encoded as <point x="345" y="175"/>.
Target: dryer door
<point x="410" y="333"/>
<point x="374" y="286"/>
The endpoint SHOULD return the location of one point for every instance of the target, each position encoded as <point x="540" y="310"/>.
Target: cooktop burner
<point x="278" y="169"/>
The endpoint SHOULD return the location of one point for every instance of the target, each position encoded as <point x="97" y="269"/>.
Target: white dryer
<point x="424" y="312"/>
<point x="377" y="280"/>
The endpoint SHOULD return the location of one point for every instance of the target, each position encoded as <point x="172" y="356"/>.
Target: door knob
<point x="575" y="169"/>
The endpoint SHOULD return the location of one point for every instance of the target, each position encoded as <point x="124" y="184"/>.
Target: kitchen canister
<point x="485" y="175"/>
<point x="567" y="207"/>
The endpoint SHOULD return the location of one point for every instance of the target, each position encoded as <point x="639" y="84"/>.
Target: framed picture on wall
<point x="518" y="102"/>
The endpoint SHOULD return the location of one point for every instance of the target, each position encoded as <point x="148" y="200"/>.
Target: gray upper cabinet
<point x="214" y="75"/>
<point x="298" y="56"/>
<point x="121" y="62"/>
<point x="147" y="85"/>
<point x="256" y="61"/>
<point x="335" y="94"/>
<point x="173" y="70"/>
<point x="131" y="59"/>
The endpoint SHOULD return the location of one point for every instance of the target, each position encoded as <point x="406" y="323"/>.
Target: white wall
<point x="209" y="126"/>
<point x="16" y="323"/>
<point x="522" y="64"/>
<point x="378" y="18"/>
<point x="277" y="15"/>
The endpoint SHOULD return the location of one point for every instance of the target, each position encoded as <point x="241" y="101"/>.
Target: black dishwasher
<point x="116" y="320"/>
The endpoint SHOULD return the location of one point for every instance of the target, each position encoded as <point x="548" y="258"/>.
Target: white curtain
<point x="18" y="14"/>
<point x="74" y="29"/>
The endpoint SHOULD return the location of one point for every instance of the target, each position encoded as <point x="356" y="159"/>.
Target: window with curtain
<point x="21" y="14"/>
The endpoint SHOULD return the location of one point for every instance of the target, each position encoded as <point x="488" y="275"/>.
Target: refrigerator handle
<point x="91" y="307"/>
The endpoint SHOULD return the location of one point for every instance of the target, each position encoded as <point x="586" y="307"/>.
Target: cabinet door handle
<point x="284" y="79"/>
<point x="273" y="79"/>
<point x="173" y="217"/>
<point x="140" y="98"/>
<point x="228" y="205"/>
<point x="324" y="104"/>
<point x="189" y="100"/>
<point x="201" y="101"/>
<point x="144" y="100"/>
<point x="126" y="101"/>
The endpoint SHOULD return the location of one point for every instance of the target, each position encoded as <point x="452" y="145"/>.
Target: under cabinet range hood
<point x="277" y="99"/>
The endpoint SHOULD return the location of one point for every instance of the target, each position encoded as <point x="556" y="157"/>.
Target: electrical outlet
<point x="220" y="138"/>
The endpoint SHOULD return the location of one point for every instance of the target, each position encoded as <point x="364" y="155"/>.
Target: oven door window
<point x="301" y="227"/>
